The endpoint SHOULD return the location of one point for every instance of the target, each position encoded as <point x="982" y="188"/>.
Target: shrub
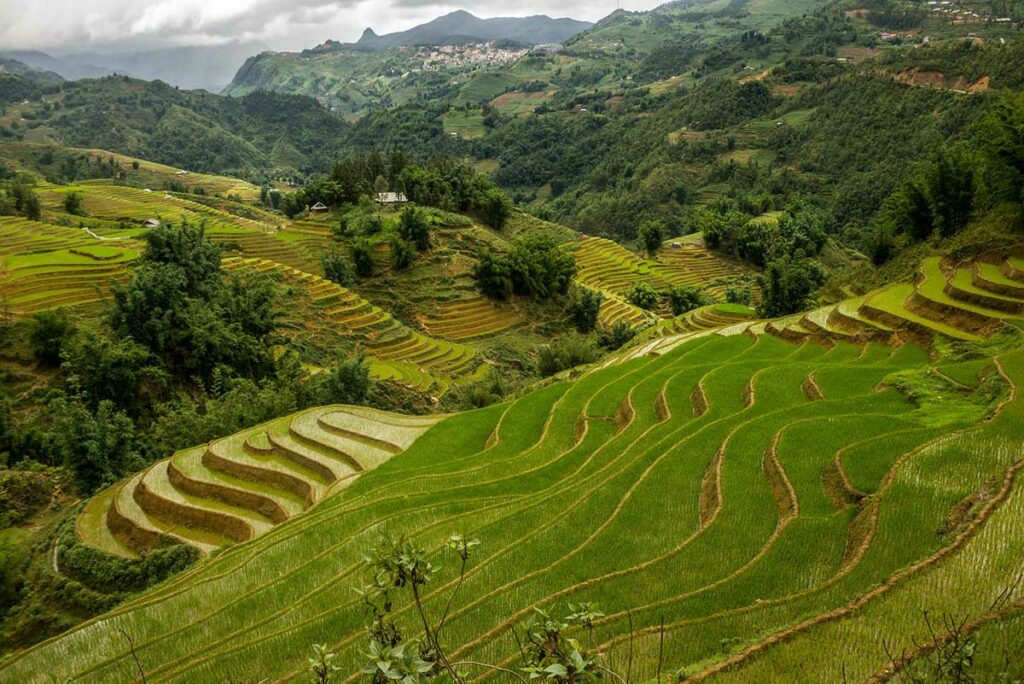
<point x="650" y="235"/>
<point x="362" y="258"/>
<point x="686" y="298"/>
<point x="585" y="307"/>
<point x="643" y="295"/>
<point x="402" y="253"/>
<point x="50" y="330"/>
<point x="337" y="267"/>
<point x="569" y="352"/>
<point x="414" y="227"/>
<point x="615" y="337"/>
<point x="73" y="204"/>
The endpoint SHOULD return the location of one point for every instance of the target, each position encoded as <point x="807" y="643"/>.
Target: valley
<point x="686" y="344"/>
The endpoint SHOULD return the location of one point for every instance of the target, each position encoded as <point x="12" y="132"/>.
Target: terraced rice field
<point x="615" y="309"/>
<point x="777" y="507"/>
<point x="607" y="266"/>
<point x="240" y="487"/>
<point x="711" y="317"/>
<point x="964" y="302"/>
<point x="104" y="200"/>
<point x="396" y="352"/>
<point x="466" y="319"/>
<point x="274" y="246"/>
<point x="43" y="266"/>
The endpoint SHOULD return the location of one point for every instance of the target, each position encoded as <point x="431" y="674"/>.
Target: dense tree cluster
<point x="534" y="266"/>
<point x="443" y="183"/>
<point x="186" y="353"/>
<point x="17" y="196"/>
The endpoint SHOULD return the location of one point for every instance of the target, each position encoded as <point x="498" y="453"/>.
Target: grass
<point x="620" y="513"/>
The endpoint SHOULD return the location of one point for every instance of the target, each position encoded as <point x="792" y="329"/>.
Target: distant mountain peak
<point x="460" y="26"/>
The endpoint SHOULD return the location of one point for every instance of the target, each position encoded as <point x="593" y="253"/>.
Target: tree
<point x="538" y="268"/>
<point x="186" y="247"/>
<point x="402" y="253"/>
<point x="135" y="164"/>
<point x="362" y="257"/>
<point x="686" y="298"/>
<point x="26" y="201"/>
<point x="619" y="334"/>
<point x="534" y="267"/>
<point x="881" y="244"/>
<point x="585" y="308"/>
<point x="568" y="352"/>
<point x="337" y="267"/>
<point x="50" y="330"/>
<point x="73" y="204"/>
<point x="105" y="369"/>
<point x="787" y="284"/>
<point x="414" y="227"/>
<point x="951" y="191"/>
<point x="348" y="383"/>
<point x="1002" y="135"/>
<point x="496" y="208"/>
<point x="493" y="276"/>
<point x="181" y="308"/>
<point x="643" y="295"/>
<point x="650" y="235"/>
<point x="739" y="295"/>
<point x="97" y="446"/>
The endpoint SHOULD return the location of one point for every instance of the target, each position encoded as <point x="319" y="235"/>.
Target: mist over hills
<point x="193" y="68"/>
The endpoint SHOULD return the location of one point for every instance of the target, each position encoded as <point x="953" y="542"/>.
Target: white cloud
<point x="75" y="25"/>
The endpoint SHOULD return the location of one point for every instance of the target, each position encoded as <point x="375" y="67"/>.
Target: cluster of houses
<point x="474" y="54"/>
<point x="950" y="10"/>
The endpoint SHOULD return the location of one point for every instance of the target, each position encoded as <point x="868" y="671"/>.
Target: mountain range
<point x="461" y="25"/>
<point x="206" y="68"/>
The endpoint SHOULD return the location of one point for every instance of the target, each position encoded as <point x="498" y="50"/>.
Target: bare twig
<point x="448" y="607"/>
<point x="491" y="667"/>
<point x="135" y="656"/>
<point x="612" y="673"/>
<point x="431" y="638"/>
<point x="519" y="643"/>
<point x="661" y="646"/>
<point x="629" y="663"/>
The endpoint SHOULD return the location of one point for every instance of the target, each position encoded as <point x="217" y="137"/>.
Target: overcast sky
<point x="74" y="25"/>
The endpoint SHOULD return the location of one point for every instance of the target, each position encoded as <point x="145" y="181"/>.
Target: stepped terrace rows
<point x="273" y="246"/>
<point x="964" y="302"/>
<point x="104" y="200"/>
<point x="44" y="266"/>
<point x="728" y="489"/>
<point x="396" y="351"/>
<point x="606" y="265"/>
<point x="240" y="487"/>
<point x="469" y="318"/>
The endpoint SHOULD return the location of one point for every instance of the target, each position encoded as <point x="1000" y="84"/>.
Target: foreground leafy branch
<point x="399" y="566"/>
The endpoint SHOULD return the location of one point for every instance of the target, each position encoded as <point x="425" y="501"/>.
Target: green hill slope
<point x="735" y="488"/>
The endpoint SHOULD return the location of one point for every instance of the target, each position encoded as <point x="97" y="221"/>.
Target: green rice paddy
<point x="765" y="511"/>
